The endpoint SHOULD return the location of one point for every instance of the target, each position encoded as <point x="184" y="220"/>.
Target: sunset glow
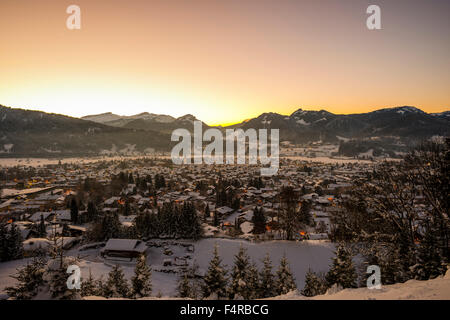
<point x="223" y="61"/>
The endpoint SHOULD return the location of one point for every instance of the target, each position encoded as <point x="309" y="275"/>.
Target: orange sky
<point x="223" y="60"/>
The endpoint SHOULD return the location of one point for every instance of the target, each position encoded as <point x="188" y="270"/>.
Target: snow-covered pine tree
<point x="285" y="280"/>
<point x="240" y="276"/>
<point x="141" y="282"/>
<point x="100" y="285"/>
<point x="215" y="281"/>
<point x="29" y="279"/>
<point x="253" y="282"/>
<point x="4" y="251"/>
<point x="315" y="284"/>
<point x="105" y="228"/>
<point x="184" y="286"/>
<point x="191" y="224"/>
<point x="430" y="262"/>
<point x="342" y="272"/>
<point x="267" y="284"/>
<point x="56" y="277"/>
<point x="194" y="282"/>
<point x="116" y="286"/>
<point x="88" y="286"/>
<point x="14" y="243"/>
<point x="387" y="257"/>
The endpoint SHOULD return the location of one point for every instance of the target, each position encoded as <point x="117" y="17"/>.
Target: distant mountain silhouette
<point x="35" y="133"/>
<point x="146" y="121"/>
<point x="407" y="124"/>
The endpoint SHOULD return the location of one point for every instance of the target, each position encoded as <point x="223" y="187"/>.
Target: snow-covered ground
<point x="314" y="254"/>
<point x="435" y="289"/>
<point x="301" y="255"/>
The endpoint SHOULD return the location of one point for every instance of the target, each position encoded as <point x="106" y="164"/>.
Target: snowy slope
<point x="435" y="289"/>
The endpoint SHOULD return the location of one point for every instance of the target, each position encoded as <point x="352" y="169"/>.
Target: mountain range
<point x="404" y="123"/>
<point x="146" y="121"/>
<point x="35" y="133"/>
<point x="29" y="133"/>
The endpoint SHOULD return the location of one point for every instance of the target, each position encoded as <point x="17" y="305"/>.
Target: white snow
<point x="303" y="122"/>
<point x="314" y="254"/>
<point x="435" y="289"/>
<point x="246" y="227"/>
<point x="342" y="138"/>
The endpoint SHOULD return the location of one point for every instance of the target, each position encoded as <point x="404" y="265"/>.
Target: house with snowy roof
<point x="123" y="249"/>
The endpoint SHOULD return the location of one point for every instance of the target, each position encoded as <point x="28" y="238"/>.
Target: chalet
<point x="123" y="249"/>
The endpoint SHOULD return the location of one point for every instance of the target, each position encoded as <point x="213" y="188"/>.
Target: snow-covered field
<point x="315" y="254"/>
<point x="36" y="162"/>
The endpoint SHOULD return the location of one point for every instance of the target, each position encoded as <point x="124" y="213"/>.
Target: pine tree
<point x="42" y="229"/>
<point x="430" y="263"/>
<point x="207" y="212"/>
<point x="285" y="280"/>
<point x="240" y="276"/>
<point x="108" y="227"/>
<point x="259" y="221"/>
<point x="116" y="286"/>
<point x="268" y="285"/>
<point x="215" y="281"/>
<point x="184" y="288"/>
<point x="194" y="283"/>
<point x="91" y="211"/>
<point x="89" y="287"/>
<point x="189" y="223"/>
<point x="342" y="271"/>
<point x="130" y="178"/>
<point x="4" y="249"/>
<point x="126" y="208"/>
<point x="253" y="282"/>
<point x="315" y="284"/>
<point x="29" y="279"/>
<point x="141" y="282"/>
<point x="56" y="276"/>
<point x="389" y="259"/>
<point x="74" y="211"/>
<point x="305" y="213"/>
<point x="215" y="219"/>
<point x="14" y="243"/>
